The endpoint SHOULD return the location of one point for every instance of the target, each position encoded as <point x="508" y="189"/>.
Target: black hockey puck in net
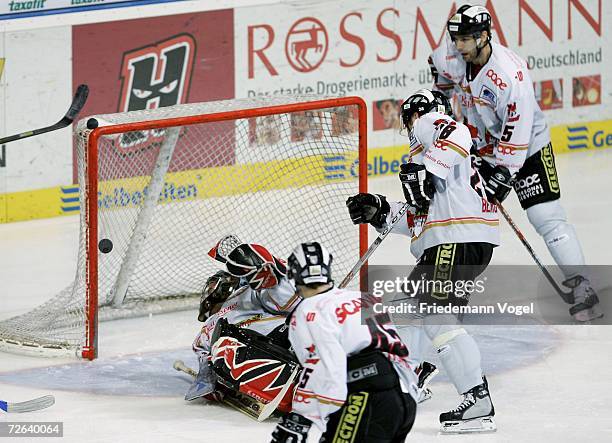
<point x="105" y="246"/>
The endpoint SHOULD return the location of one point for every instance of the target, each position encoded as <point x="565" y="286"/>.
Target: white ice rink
<point x="548" y="383"/>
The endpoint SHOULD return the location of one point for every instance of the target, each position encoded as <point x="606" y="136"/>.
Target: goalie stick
<point x="351" y="274"/>
<point x="237" y="400"/>
<point x="35" y="404"/>
<point x="80" y="97"/>
<point x="566" y="296"/>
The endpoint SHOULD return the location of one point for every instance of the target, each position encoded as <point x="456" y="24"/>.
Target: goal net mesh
<point x="165" y="195"/>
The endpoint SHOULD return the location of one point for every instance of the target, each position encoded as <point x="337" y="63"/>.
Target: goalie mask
<point x="256" y="265"/>
<point x="310" y="264"/>
<point x="217" y="289"/>
<point x="422" y="102"/>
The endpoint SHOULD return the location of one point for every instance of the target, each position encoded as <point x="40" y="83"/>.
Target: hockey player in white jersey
<point x="254" y="294"/>
<point x="454" y="230"/>
<point x="356" y="384"/>
<point x="497" y="99"/>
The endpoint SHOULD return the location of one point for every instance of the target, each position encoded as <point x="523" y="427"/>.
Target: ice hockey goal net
<point x="164" y="185"/>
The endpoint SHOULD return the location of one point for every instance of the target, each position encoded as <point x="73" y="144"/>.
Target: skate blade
<point x="588" y="314"/>
<point x="481" y="425"/>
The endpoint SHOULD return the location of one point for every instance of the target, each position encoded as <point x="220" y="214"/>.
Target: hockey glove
<point x="497" y="181"/>
<point x="292" y="428"/>
<point x="417" y="184"/>
<point x="368" y="208"/>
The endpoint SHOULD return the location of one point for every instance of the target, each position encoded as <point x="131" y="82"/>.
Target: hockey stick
<point x="566" y="296"/>
<point x="80" y="97"/>
<point x="35" y="404"/>
<point x="180" y="366"/>
<point x="351" y="274"/>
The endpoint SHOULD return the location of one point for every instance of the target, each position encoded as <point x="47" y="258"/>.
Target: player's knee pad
<point x="459" y="355"/>
<point x="550" y="222"/>
<point x="546" y="217"/>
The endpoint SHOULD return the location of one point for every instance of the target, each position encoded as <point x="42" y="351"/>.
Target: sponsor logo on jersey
<point x="505" y="149"/>
<point x="488" y="96"/>
<point x="312" y="355"/>
<point x="496" y="79"/>
<point x="513" y="116"/>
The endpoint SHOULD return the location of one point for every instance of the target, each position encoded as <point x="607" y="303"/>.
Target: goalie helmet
<point x="310" y="263"/>
<point x="217" y="289"/>
<point x="422" y="102"/>
<point x="469" y="21"/>
<point x="256" y="265"/>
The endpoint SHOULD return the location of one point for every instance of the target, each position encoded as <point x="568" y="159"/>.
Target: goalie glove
<point x="256" y="265"/>
<point x="498" y="181"/>
<point x="417" y="185"/>
<point x="292" y="428"/>
<point x="368" y="208"/>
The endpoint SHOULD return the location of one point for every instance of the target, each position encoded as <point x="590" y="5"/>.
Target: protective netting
<point x="167" y="195"/>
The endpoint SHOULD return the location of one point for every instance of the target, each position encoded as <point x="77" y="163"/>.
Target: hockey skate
<point x="586" y="307"/>
<point x="474" y="413"/>
<point x="426" y="372"/>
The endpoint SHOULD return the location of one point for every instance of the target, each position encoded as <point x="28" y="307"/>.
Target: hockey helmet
<point x="422" y="102"/>
<point x="217" y="289"/>
<point x="469" y="21"/>
<point x="310" y="264"/>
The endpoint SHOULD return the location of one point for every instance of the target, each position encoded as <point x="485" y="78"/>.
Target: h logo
<point x="155" y="76"/>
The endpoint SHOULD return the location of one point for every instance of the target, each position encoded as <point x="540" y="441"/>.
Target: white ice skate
<point x="474" y="414"/>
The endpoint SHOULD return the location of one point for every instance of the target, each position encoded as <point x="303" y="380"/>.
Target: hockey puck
<point x="105" y="246"/>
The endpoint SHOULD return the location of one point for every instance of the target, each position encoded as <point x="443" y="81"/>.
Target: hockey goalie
<point x="242" y="347"/>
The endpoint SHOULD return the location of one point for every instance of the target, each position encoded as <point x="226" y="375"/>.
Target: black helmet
<point x="469" y="20"/>
<point x="422" y="102"/>
<point x="310" y="263"/>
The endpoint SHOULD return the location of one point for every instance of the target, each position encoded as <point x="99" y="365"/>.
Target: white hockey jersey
<point x="261" y="311"/>
<point x="459" y="211"/>
<point x="324" y="331"/>
<point x="499" y="101"/>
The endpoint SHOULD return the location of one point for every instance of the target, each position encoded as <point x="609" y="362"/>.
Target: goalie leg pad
<point x="249" y="362"/>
